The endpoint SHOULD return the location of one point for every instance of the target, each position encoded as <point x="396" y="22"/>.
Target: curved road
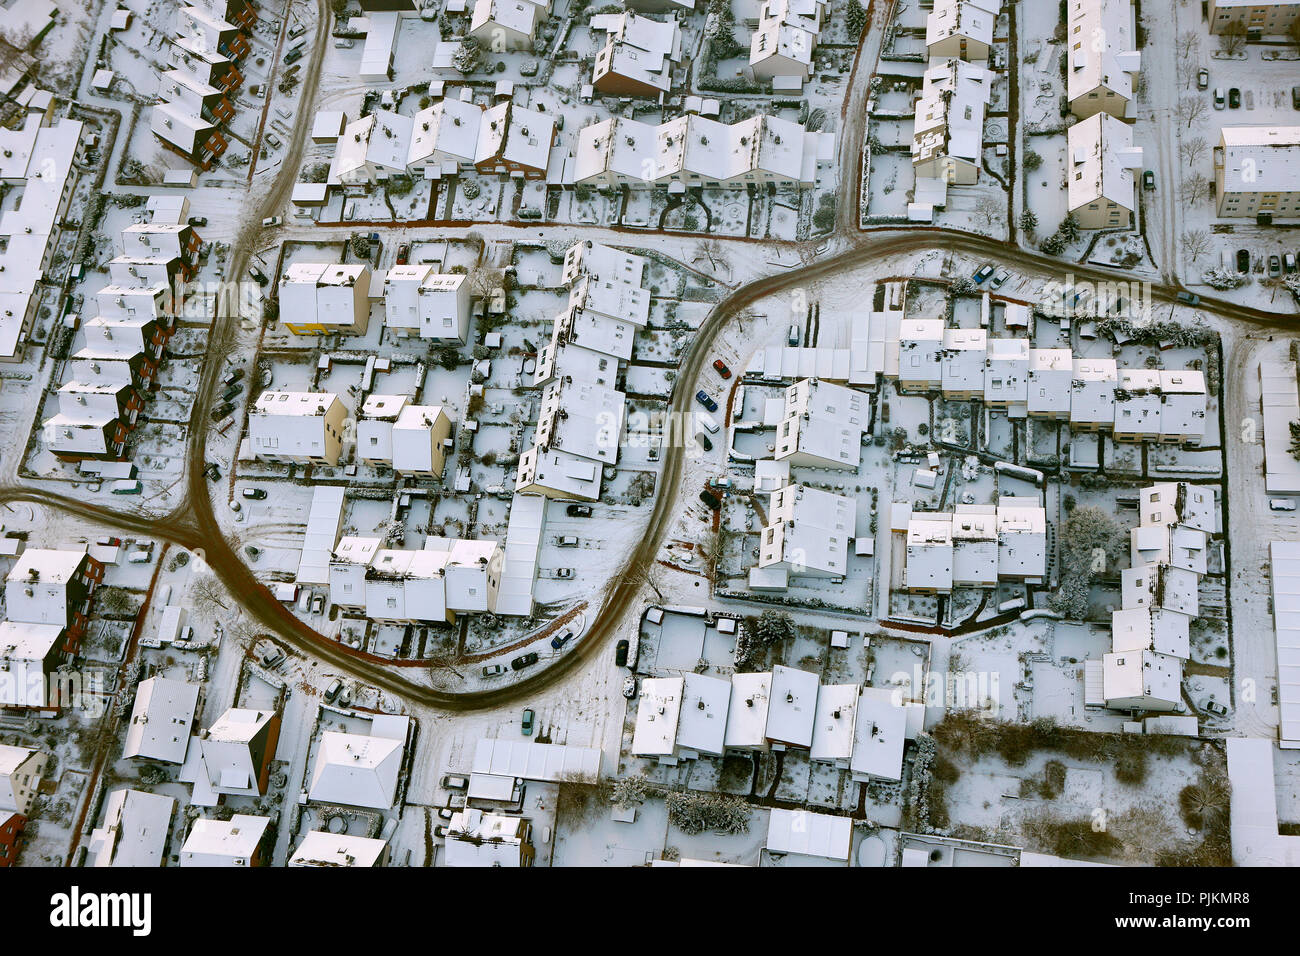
<point x="193" y="525"/>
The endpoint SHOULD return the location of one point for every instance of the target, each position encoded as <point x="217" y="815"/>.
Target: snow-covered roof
<point x="810" y="834"/>
<point x="950" y="112"/>
<point x="1142" y="678"/>
<point x="747" y="711"/>
<point x="929" y="552"/>
<point x="25" y="650"/>
<point x="161" y="719"/>
<point x="135" y="829"/>
<point x="1102" y="53"/>
<point x="971" y="19"/>
<point x="879" y="735"/>
<point x="702" y="724"/>
<point x="1140" y="629"/>
<point x="1178" y="502"/>
<point x="533" y="761"/>
<point x="230" y="842"/>
<point x="356" y="770"/>
<point x="1261" y="159"/>
<point x="659" y="708"/>
<point x="1160" y="586"/>
<point x="837" y="707"/>
<point x="1285" y="573"/>
<point x="447" y="130"/>
<point x="1101" y="162"/>
<point x="792" y="707"/>
<point x="808" y="531"/>
<point x="321" y="848"/>
<point x="1280" y="401"/>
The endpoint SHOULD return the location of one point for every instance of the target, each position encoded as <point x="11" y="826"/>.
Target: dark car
<point x="578" y="511"/>
<point x="721" y="366"/>
<point x="1295" y="97"/>
<point x="710" y="499"/>
<point x="703" y="398"/>
<point x="1203" y="79"/>
<point x="232" y="391"/>
<point x="526" y="725"/>
<point x="257" y="494"/>
<point x="1243" y="260"/>
<point x="1149" y="180"/>
<point x="519" y="663"/>
<point x="258" y="274"/>
<point x="1234" y="98"/>
<point x="221" y="411"/>
<point x="403" y="252"/>
<point x="1274" y="266"/>
<point x="620" y="653"/>
<point x="233" y="376"/>
<point x="558" y="642"/>
<point x="983" y="273"/>
<point x="212" y="471"/>
<point x="704" y="441"/>
<point x="1188" y="298"/>
<point x="198" y="220"/>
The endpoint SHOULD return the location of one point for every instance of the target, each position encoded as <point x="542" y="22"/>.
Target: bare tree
<point x="988" y="210"/>
<point x="206" y="595"/>
<point x="1194" y="189"/>
<point x="647" y="575"/>
<point x="712" y="250"/>
<point x="1192" y="150"/>
<point x="484" y="282"/>
<point x="1195" y="243"/>
<point x="1191" y="109"/>
<point x="1233" y="38"/>
<point x="1188" y="44"/>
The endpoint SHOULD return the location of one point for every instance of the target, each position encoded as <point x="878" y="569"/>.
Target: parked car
<point x="526" y="724"/>
<point x="403" y="253"/>
<point x="559" y="642"/>
<point x="493" y="670"/>
<point x="222" y="411"/>
<point x="564" y="574"/>
<point x="704" y="441"/>
<point x="1288" y="263"/>
<point x="1281" y="504"/>
<point x="269" y="654"/>
<point x="257" y="494"/>
<point x="567" y="541"/>
<point x="258" y="275"/>
<point x="525" y="660"/>
<point x="1149" y="179"/>
<point x="710" y="499"/>
<point x="198" y="220"/>
<point x="1234" y="98"/>
<point x="440" y="830"/>
<point x="620" y="653"/>
<point x="1274" y="266"/>
<point x="983" y="273"/>
<point x="233" y="376"/>
<point x="1203" y="79"/>
<point x="721" y="367"/>
<point x="1214" y="707"/>
<point x="999" y="278"/>
<point x="1219" y="101"/>
<point x="1243" y="260"/>
<point x="343" y="43"/>
<point x="629" y="686"/>
<point x="212" y="471"/>
<point x="703" y="398"/>
<point x="332" y="691"/>
<point x="232" y="391"/>
<point x="1189" y="298"/>
<point x="578" y="511"/>
<point x="273" y="221"/>
<point x="454" y="782"/>
<point x="318" y="604"/>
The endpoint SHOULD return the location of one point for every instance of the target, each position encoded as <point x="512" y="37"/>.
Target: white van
<point x="706" y="420"/>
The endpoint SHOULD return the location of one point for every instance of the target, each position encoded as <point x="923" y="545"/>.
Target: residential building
<point x="880" y="734"/>
<point x="135" y="830"/>
<point x="1261" y="18"/>
<point x="372" y="149"/>
<point x="357" y="770"/>
<point x="948" y="137"/>
<point x="603" y="263"/>
<point x="805" y="833"/>
<point x="1179" y="503"/>
<point x="411" y="439"/>
<point x="21" y="770"/>
<point x="325" y="849"/>
<point x="1175" y="544"/>
<point x="920" y="355"/>
<point x="1161" y="587"/>
<point x="512" y="139"/>
<point x="807" y="532"/>
<point x="975" y="546"/>
<point x="1022" y="540"/>
<point x="225" y="843"/>
<point x="837" y="708"/>
<point x="1142" y="680"/>
<point x="638" y="56"/>
<point x="1103" y="59"/>
<point x="1006" y="375"/>
<point x="961" y="28"/>
<point x="233" y="757"/>
<point x="822" y="425"/>
<point x="477" y="838"/>
<point x="747" y="712"/>
<point x="1101" y="176"/>
<point x="1182" y="406"/>
<point x="1148" y="629"/>
<point x="505" y="25"/>
<point x="659" y="709"/>
<point x="432" y="305"/>
<point x="929" y="554"/>
<point x="1137" y="405"/>
<point x="785" y="39"/>
<point x="29" y="655"/>
<point x="299" y="427"/>
<point x="11" y="831"/>
<point x="612" y="298"/>
<point x="444" y="137"/>
<point x="1051" y="375"/>
<point x="448" y="576"/>
<point x="161" y="720"/>
<point x="792" y="708"/>
<point x="1092" y="394"/>
<point x="964" y="354"/>
<point x="51" y="586"/>
<point x="323" y="299"/>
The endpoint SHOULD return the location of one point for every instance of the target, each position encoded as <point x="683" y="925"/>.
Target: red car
<point x="721" y="366"/>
